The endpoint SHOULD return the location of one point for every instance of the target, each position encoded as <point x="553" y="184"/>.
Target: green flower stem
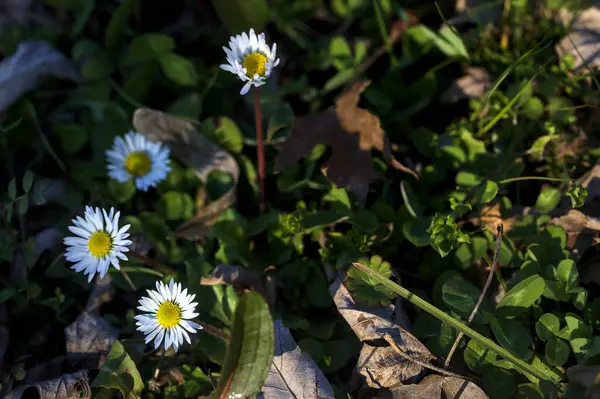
<point x="260" y="147"/>
<point x="461" y="327"/>
<point x="523" y="178"/>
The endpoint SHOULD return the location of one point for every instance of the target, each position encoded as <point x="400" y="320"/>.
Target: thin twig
<point x="260" y="147"/>
<point x="482" y="295"/>
<point x="126" y="277"/>
<point x="44" y="139"/>
<point x="212" y="330"/>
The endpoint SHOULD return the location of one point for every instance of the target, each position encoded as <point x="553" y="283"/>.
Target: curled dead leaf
<point x="490" y="217"/>
<point x="196" y="152"/>
<point x="474" y="84"/>
<point x="68" y="386"/>
<point x="581" y="230"/>
<point x="241" y="279"/>
<point x="380" y="366"/>
<point x="351" y="132"/>
<point x="434" y="387"/>
<point x="583" y="41"/>
<point x="293" y="373"/>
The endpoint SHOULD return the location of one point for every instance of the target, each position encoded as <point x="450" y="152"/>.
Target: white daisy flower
<point x="135" y="157"/>
<point x="98" y="242"/>
<point x="169" y="312"/>
<point x="250" y="58"/>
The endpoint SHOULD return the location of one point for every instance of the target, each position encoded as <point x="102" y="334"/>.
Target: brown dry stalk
<point x="482" y="295"/>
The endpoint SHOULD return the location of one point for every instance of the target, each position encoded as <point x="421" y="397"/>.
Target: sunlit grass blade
<point x="461" y="327"/>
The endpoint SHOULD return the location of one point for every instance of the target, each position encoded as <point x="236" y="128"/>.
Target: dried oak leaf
<point x="583" y="41"/>
<point x="474" y="84"/>
<point x="351" y="132"/>
<point x="581" y="230"/>
<point x="196" y="152"/>
<point x="491" y="217"/>
<point x="434" y="387"/>
<point x="380" y="366"/>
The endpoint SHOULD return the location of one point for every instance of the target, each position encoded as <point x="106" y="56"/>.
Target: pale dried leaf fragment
<point x="581" y="230"/>
<point x="351" y="132"/>
<point x="68" y="386"/>
<point x="381" y="366"/>
<point x="474" y="84"/>
<point x="195" y="151"/>
<point x="25" y="69"/>
<point x="293" y="373"/>
<point x="490" y="217"/>
<point x="583" y="41"/>
<point x="436" y="387"/>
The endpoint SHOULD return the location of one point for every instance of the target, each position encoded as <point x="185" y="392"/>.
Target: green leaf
<point x="40" y="187"/>
<point x="250" y="351"/>
<point x="7" y="293"/>
<point x="22" y="204"/>
<point x="241" y="15"/>
<point x="415" y="231"/>
<point x="73" y="137"/>
<point x="513" y="336"/>
<point x="566" y="272"/>
<point x="149" y="46"/>
<point x="461" y="297"/>
<point x="118" y="23"/>
<point x="537" y="148"/>
<point x="557" y="351"/>
<point x="322" y="219"/>
<point x="138" y="82"/>
<point x="280" y="119"/>
<point x="577" y="194"/>
<point x="477" y="356"/>
<point x="367" y="290"/>
<point x="175" y="205"/>
<point x="178" y="69"/>
<point x="445" y="235"/>
<point x="120" y="372"/>
<point x="121" y="192"/>
<point x="486" y="192"/>
<point x="97" y="68"/>
<point x="520" y="297"/>
<point x="188" y="106"/>
<point x="533" y="108"/>
<point x="498" y="382"/>
<point x="27" y="181"/>
<point x="450" y="43"/>
<point x="410" y="199"/>
<point x="229" y="134"/>
<point x="548" y="199"/>
<point x="12" y="188"/>
<point x="547" y="326"/>
<point x="340" y="53"/>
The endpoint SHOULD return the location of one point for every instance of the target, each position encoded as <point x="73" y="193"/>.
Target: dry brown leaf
<point x="491" y="217"/>
<point x="474" y="84"/>
<point x="569" y="146"/>
<point x="580" y="230"/>
<point x="588" y="377"/>
<point x="240" y="279"/>
<point x="382" y="366"/>
<point x="583" y="41"/>
<point x="68" y="386"/>
<point x="351" y="132"/>
<point x="433" y="386"/>
<point x="196" y="152"/>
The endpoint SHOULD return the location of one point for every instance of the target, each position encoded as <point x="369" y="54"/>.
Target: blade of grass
<point x="537" y="49"/>
<point x="459" y="326"/>
<point x="512" y="102"/>
<point x="383" y="31"/>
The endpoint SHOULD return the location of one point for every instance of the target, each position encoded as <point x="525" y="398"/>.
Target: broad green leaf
<point x="557" y="351"/>
<point x="250" y="351"/>
<point x="97" y="68"/>
<point x="175" y="205"/>
<point x="188" y="106"/>
<point x="513" y="336"/>
<point x="477" y="356"/>
<point x="450" y="43"/>
<point x="537" y="148"/>
<point x="282" y="118"/>
<point x="27" y="181"/>
<point x="566" y="273"/>
<point x="547" y="326"/>
<point x="486" y="192"/>
<point x="121" y="192"/>
<point x="229" y="134"/>
<point x="120" y="372"/>
<point x="548" y="199"/>
<point x="533" y="109"/>
<point x="322" y="219"/>
<point x="12" y="188"/>
<point x="72" y="136"/>
<point x="461" y="297"/>
<point x="138" y="82"/>
<point x="528" y="391"/>
<point x="118" y="23"/>
<point x="520" y="297"/>
<point x="415" y="231"/>
<point x="498" y="383"/>
<point x="149" y="46"/>
<point x="178" y="69"/>
<point x="340" y="53"/>
<point x="339" y="197"/>
<point x="364" y="219"/>
<point x="240" y="15"/>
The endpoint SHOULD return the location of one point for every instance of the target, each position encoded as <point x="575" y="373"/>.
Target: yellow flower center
<point x="138" y="163"/>
<point x="255" y="63"/>
<point x="100" y="244"/>
<point x="168" y="314"/>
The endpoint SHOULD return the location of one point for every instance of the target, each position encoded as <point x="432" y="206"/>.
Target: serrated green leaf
<point x="250" y="351"/>
<point x="445" y="235"/>
<point x="577" y="194"/>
